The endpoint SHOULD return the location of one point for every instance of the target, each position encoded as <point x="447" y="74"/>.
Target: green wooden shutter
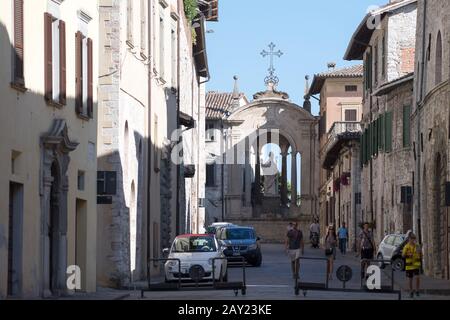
<point x="388" y="124"/>
<point x="382" y="131"/>
<point x="406" y="126"/>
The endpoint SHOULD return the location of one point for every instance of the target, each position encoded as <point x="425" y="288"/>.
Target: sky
<point x="309" y="33"/>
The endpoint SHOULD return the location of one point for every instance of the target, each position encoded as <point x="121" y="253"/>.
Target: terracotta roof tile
<point x="218" y="103"/>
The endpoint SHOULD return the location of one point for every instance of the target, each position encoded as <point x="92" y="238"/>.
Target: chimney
<point x="331" y="66"/>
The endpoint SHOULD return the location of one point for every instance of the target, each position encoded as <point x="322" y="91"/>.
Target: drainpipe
<point x="149" y="143"/>
<point x="419" y="149"/>
<point x="180" y="139"/>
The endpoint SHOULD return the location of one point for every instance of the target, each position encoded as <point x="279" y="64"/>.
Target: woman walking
<point x="330" y="248"/>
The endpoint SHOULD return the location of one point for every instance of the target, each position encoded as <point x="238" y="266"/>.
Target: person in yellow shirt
<point x="412" y="253"/>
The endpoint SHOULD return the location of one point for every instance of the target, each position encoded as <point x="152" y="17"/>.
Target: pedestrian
<point x="295" y="247"/>
<point x="412" y="253"/>
<point x="343" y="238"/>
<point x="314" y="233"/>
<point x="330" y="250"/>
<point x="366" y="248"/>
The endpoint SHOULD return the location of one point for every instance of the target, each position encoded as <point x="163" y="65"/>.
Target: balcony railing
<point x="338" y="130"/>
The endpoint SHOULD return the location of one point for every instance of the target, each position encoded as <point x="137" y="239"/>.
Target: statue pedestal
<point x="271" y="205"/>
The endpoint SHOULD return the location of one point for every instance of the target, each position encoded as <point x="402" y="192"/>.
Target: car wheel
<point x="380" y="264"/>
<point x="258" y="261"/>
<point x="398" y="264"/>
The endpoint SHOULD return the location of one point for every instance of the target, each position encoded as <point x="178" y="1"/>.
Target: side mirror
<point x="166" y="251"/>
<point x="258" y="239"/>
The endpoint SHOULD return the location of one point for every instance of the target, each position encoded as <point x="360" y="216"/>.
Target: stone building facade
<point x="385" y="41"/>
<point x="123" y="139"/>
<point x="48" y="137"/>
<point x="153" y="73"/>
<point x="339" y="131"/>
<point x="431" y="120"/>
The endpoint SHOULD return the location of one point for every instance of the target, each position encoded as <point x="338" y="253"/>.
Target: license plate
<point x="236" y="254"/>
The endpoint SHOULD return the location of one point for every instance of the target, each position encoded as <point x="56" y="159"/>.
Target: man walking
<point x="294" y="242"/>
<point x="413" y="256"/>
<point x="343" y="239"/>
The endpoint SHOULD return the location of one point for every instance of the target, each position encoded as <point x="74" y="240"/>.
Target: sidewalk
<point x="101" y="294"/>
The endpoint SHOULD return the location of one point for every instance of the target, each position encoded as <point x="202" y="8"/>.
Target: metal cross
<point x="271" y="69"/>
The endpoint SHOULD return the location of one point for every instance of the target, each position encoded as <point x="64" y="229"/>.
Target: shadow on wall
<point x="35" y="265"/>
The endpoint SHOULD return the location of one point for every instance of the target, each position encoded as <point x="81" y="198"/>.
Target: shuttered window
<point x="18" y="71"/>
<point x="406" y="126"/>
<point x="79" y="73"/>
<point x="388" y="131"/>
<point x="381" y="132"/>
<point x="48" y="72"/>
<point x="351" y="115"/>
<point x="55" y="60"/>
<point x="84" y="91"/>
<point x="90" y="79"/>
<point x="62" y="61"/>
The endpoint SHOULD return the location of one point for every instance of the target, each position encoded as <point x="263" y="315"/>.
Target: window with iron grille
<point x="351" y="88"/>
<point x="106" y="183"/>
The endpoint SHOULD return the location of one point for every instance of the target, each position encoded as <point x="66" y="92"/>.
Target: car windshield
<point x="194" y="244"/>
<point x="239" y="234"/>
<point x="211" y="230"/>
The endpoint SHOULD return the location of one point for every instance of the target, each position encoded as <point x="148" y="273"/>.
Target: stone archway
<point x="270" y="119"/>
<point x="54" y="185"/>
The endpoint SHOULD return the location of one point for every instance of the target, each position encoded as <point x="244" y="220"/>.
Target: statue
<point x="270" y="173"/>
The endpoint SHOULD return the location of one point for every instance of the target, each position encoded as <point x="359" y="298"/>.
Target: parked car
<point x="196" y="254"/>
<point x="240" y="242"/>
<point x="391" y="249"/>
<point x="212" y="229"/>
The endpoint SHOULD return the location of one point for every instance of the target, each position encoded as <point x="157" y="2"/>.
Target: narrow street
<point x="273" y="281"/>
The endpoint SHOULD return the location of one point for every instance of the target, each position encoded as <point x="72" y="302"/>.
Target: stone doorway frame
<point x="55" y="148"/>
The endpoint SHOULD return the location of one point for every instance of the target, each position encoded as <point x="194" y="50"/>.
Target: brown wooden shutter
<point x="90" y="79"/>
<point x="18" y="43"/>
<point x="48" y="81"/>
<point x="62" y="59"/>
<point x="79" y="72"/>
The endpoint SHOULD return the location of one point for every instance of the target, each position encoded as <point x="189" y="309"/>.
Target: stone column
<point x="284" y="189"/>
<point x="248" y="176"/>
<point x="294" y="179"/>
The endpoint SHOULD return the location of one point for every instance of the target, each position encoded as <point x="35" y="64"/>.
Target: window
<point x="55" y="60"/>
<point x="375" y="67"/>
<point x="156" y="164"/>
<point x="351" y="88"/>
<point x="406" y="126"/>
<point x="174" y="55"/>
<point x="18" y="74"/>
<point x="161" y="46"/>
<point x="143" y="27"/>
<point x="211" y="175"/>
<point x="81" y="179"/>
<point x="388" y="132"/>
<point x="438" y="64"/>
<point x="351" y="115"/>
<point x="406" y="195"/>
<point x="130" y="22"/>
<point x="84" y="75"/>
<point x="106" y="182"/>
<point x="368" y="72"/>
<point x="210" y="131"/>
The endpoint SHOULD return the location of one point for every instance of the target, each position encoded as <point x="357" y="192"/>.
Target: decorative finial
<point x="271" y="80"/>
<point x="307" y="102"/>
<point x="236" y="94"/>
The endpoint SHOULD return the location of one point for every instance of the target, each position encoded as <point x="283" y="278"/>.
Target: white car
<point x="196" y="254"/>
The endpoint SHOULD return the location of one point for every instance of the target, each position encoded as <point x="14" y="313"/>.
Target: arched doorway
<point x="54" y="185"/>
